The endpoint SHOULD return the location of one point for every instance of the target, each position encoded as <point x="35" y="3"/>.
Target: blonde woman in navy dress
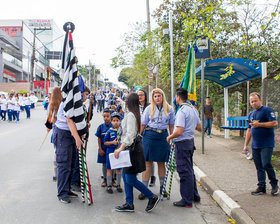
<point x="155" y="122"/>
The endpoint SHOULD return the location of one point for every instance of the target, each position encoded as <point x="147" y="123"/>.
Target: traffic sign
<point x="97" y="71"/>
<point x="202" y="48"/>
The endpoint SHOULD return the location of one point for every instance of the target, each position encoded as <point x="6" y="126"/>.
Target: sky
<point x="100" y="24"/>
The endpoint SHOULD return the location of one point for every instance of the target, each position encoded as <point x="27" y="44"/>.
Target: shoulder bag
<point x="137" y="157"/>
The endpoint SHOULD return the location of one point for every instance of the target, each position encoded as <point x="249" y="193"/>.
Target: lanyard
<point x="119" y="133"/>
<point x="141" y="109"/>
<point x="159" y="120"/>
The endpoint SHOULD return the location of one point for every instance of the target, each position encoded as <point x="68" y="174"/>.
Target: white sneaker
<point x="209" y="136"/>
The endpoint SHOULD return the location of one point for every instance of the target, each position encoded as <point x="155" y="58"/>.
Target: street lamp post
<point x="169" y="33"/>
<point x="105" y="80"/>
<point x="32" y="62"/>
<point x="33" y="56"/>
<point x="89" y="76"/>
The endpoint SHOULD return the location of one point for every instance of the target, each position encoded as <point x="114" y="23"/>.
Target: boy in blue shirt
<point x="120" y="110"/>
<point x="111" y="140"/>
<point x="100" y="133"/>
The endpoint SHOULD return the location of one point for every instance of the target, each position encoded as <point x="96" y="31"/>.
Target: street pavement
<point x="224" y="163"/>
<point x="28" y="194"/>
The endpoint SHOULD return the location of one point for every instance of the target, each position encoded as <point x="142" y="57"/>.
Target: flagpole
<point x="43" y="141"/>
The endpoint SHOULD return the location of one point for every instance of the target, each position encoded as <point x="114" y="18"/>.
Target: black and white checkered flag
<point x="72" y="99"/>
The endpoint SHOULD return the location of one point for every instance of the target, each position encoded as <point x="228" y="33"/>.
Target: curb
<point x="229" y="206"/>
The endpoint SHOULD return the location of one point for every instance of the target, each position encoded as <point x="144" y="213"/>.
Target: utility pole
<point x="171" y="55"/>
<point x="105" y="80"/>
<point x="148" y="16"/>
<point x="89" y="76"/>
<point x="32" y="61"/>
<point x="1" y="64"/>
<point x="45" y="81"/>
<point x="94" y="77"/>
<point x="149" y="30"/>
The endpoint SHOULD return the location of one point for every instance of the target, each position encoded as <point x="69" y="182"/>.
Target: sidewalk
<point x="228" y="170"/>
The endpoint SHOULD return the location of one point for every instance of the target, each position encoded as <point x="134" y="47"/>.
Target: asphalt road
<point x="28" y="194"/>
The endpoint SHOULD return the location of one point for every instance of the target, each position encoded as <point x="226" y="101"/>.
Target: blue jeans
<point x="262" y="160"/>
<point x="3" y="114"/>
<point x="130" y="181"/>
<point x="14" y="115"/>
<point x="17" y="114"/>
<point x="208" y="125"/>
<point x="27" y="109"/>
<point x="103" y="104"/>
<point x="99" y="105"/>
<point x="10" y="114"/>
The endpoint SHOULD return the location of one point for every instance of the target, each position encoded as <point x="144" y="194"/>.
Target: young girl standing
<point x="10" y="105"/>
<point x="55" y="101"/>
<point x="3" y="103"/>
<point x="27" y="106"/>
<point x="17" y="108"/>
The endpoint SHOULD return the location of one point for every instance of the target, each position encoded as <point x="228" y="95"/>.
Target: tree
<point x="124" y="76"/>
<point x="136" y="53"/>
<point x="236" y="28"/>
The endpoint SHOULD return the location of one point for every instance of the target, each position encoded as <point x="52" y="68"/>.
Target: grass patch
<point x="275" y="160"/>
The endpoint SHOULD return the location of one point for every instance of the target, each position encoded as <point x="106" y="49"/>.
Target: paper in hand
<point x="122" y="161"/>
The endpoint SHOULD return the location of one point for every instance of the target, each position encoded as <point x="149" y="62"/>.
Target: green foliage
<point x="138" y="50"/>
<point x="83" y="71"/>
<point x="236" y="28"/>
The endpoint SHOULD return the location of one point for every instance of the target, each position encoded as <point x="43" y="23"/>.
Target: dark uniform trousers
<point x="65" y="158"/>
<point x="184" y="160"/>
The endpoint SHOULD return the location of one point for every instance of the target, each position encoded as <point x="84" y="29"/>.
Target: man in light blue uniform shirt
<point x="98" y="98"/>
<point x="66" y="140"/>
<point x="186" y="122"/>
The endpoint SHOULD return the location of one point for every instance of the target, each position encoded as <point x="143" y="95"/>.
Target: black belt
<point x="185" y="140"/>
<point x="156" y="130"/>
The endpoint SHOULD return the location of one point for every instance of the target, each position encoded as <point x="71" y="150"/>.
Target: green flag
<point x="189" y="80"/>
